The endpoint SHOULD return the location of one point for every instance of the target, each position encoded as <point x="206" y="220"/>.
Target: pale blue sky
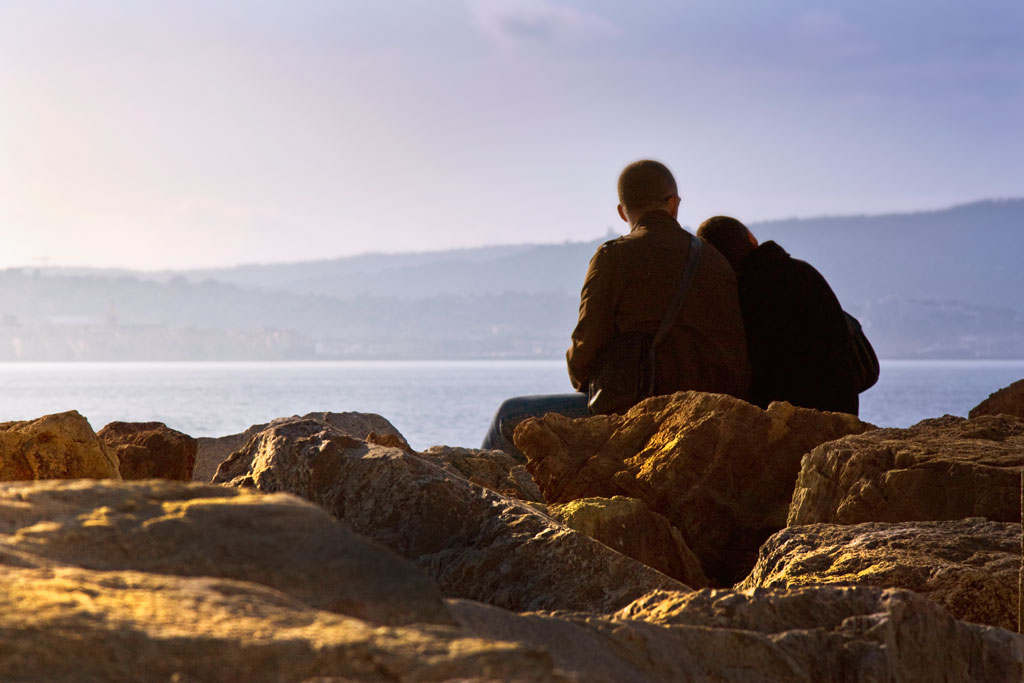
<point x="187" y="133"/>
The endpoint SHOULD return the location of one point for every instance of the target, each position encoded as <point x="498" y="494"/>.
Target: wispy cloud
<point x="514" y="23"/>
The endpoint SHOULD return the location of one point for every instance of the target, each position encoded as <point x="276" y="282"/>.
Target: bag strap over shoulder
<point x="672" y="312"/>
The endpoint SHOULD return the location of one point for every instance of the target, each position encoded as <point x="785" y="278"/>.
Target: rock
<point x="968" y="566"/>
<point x="720" y="469"/>
<point x="70" y="624"/>
<point x="187" y="529"/>
<point x="945" y="468"/>
<point x="628" y="526"/>
<point x="147" y="450"/>
<point x="824" y="633"/>
<point x="477" y="544"/>
<point x="495" y="470"/>
<point x="368" y="426"/>
<point x="1007" y="401"/>
<point x="60" y="446"/>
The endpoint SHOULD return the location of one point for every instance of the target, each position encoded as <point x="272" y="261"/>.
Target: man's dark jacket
<point x="796" y="333"/>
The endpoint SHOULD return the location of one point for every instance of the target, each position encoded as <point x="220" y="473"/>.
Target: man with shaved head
<point x="797" y="334"/>
<point x="628" y="287"/>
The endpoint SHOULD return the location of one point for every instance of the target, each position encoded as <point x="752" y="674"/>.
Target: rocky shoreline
<point x="696" y="538"/>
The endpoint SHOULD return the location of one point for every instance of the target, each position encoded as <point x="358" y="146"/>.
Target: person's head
<point x="729" y="236"/>
<point x="647" y="186"/>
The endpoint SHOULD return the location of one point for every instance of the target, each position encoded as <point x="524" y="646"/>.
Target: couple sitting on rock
<point x="754" y="322"/>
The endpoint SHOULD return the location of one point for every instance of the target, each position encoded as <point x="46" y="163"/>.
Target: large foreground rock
<point x="720" y="469"/>
<point x="212" y="451"/>
<point x="1007" y="401"/>
<point x="476" y="543"/>
<point x="183" y="529"/>
<point x="72" y="625"/>
<point x="187" y="618"/>
<point x="629" y="526"/>
<point x="968" y="566"/>
<point x="60" y="446"/>
<point x="148" y="450"/>
<point x="945" y="468"/>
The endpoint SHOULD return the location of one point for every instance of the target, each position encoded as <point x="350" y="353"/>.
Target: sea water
<point x="430" y="402"/>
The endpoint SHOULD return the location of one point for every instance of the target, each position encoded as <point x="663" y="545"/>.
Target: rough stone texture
<point x="826" y="633"/>
<point x="477" y="544"/>
<point x="143" y="619"/>
<point x="628" y="526"/>
<point x="148" y="450"/>
<point x="202" y="530"/>
<point x="968" y="566"/>
<point x="720" y="469"/>
<point x="945" y="468"/>
<point x="829" y="633"/>
<point x="367" y="426"/>
<point x="71" y="625"/>
<point x="1007" y="401"/>
<point x="495" y="470"/>
<point x="60" y="446"/>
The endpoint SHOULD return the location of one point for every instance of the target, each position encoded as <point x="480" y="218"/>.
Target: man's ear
<point x="673" y="205"/>
<point x="622" y="213"/>
<point x="752" y="239"/>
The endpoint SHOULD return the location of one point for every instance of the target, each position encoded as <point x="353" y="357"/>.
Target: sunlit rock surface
<point x="147" y="450"/>
<point x="720" y="469"/>
<point x="968" y="566"/>
<point x="629" y="526"/>
<point x="60" y="446"/>
<point x="203" y="530"/>
<point x="944" y="468"/>
<point x="476" y="543"/>
<point x="495" y="470"/>
<point x="215" y="450"/>
<point x="831" y="633"/>
<point x="1007" y="401"/>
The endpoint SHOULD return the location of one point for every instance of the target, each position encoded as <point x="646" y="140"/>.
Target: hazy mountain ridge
<point x="939" y="284"/>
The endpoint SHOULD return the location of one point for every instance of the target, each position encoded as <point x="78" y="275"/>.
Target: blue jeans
<point x="515" y="410"/>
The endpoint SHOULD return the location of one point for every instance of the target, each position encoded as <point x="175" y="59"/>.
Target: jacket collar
<point x="656" y="220"/>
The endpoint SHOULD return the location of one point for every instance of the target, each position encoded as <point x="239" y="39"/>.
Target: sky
<point x="151" y="134"/>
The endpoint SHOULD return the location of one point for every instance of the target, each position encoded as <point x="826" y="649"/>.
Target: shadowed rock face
<point x="183" y="529"/>
<point x="1007" y="401"/>
<point x="968" y="566"/>
<point x="147" y="450"/>
<point x="720" y="469"/>
<point x="476" y="543"/>
<point x="946" y="468"/>
<point x="628" y="526"/>
<point x="61" y="446"/>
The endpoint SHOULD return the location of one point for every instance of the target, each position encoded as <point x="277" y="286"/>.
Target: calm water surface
<point x="430" y="402"/>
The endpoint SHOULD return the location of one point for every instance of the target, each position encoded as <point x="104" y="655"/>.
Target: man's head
<point x="646" y="186"/>
<point x="728" y="236"/>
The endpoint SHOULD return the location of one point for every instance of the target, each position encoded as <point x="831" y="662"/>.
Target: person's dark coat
<point x="797" y="336"/>
<point x="628" y="288"/>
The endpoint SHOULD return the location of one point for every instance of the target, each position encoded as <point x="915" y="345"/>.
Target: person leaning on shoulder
<point x="628" y="287"/>
<point x="797" y="333"/>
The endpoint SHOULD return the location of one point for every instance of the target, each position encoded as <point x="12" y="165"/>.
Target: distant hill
<point x="970" y="253"/>
<point x="937" y="284"/>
